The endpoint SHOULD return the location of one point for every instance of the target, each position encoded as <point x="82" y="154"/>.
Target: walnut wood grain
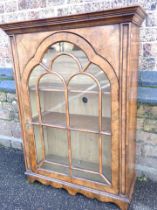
<point x="133" y="14"/>
<point x="110" y="40"/>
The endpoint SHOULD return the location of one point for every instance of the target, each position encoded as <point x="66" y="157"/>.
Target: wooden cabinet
<point x="76" y="80"/>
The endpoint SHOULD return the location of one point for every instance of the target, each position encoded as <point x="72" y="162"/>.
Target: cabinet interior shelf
<point x="77" y="122"/>
<point x="73" y="88"/>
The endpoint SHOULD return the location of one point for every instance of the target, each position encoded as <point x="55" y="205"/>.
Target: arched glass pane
<point x="97" y="72"/>
<point x="49" y="104"/>
<point x="53" y="115"/>
<point x="65" y="66"/>
<point x="106" y="95"/>
<point x="83" y="143"/>
<point x="35" y="74"/>
<point x="65" y="47"/>
<point x="86" y="138"/>
<point x="33" y="79"/>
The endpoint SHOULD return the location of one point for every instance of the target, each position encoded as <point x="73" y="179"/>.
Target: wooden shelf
<point x="77" y="122"/>
<point x="80" y="164"/>
<point x="56" y="87"/>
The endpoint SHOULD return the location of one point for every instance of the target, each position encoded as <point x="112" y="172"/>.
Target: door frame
<point x="95" y="58"/>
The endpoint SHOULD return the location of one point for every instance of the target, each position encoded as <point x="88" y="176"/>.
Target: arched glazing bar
<point x="100" y="120"/>
<point x="93" y="58"/>
<point x="66" y="101"/>
<point x="39" y="106"/>
<point x="67" y="54"/>
<point x="49" y="71"/>
<point x="81" y="72"/>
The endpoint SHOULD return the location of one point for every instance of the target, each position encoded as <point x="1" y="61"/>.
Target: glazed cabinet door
<point x="72" y="114"/>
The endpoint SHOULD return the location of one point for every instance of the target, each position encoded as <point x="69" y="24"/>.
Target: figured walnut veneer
<point x="110" y="39"/>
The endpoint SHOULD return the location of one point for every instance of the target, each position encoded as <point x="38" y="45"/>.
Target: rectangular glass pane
<point x="86" y="156"/>
<point x="38" y="143"/>
<point x="52" y="111"/>
<point x="53" y="108"/>
<point x="83" y="110"/>
<point x="55" y="146"/>
<point x="55" y="168"/>
<point x="51" y="89"/>
<point x="89" y="176"/>
<point x="85" y="150"/>
<point x="106" y="112"/>
<point x="107" y="156"/>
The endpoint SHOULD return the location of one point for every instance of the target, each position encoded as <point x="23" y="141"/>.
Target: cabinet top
<point x="134" y="14"/>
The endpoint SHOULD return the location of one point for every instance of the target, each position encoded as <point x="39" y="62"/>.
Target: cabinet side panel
<point x="131" y="112"/>
<point x="19" y="93"/>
